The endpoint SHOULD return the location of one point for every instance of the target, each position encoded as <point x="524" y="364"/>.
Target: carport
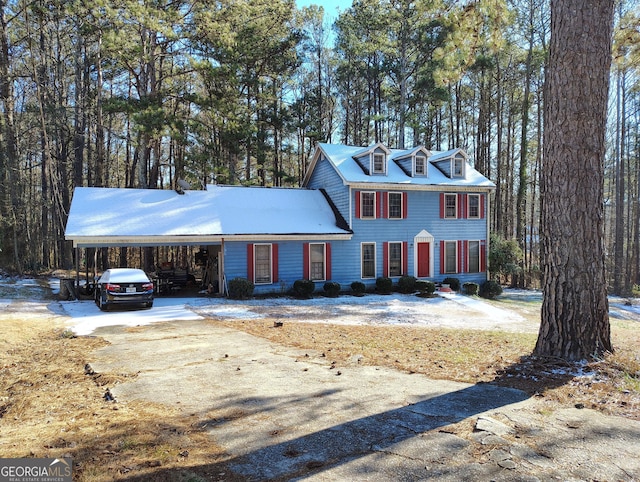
<point x="117" y="217"/>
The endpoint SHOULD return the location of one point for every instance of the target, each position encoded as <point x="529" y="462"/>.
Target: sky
<point x="331" y="7"/>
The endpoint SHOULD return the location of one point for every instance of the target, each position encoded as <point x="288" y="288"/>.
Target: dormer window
<point x="457" y="167"/>
<point x="421" y="166"/>
<point x="373" y="160"/>
<point x="378" y="163"/>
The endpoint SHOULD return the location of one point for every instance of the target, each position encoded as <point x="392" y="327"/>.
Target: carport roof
<point x="154" y="217"/>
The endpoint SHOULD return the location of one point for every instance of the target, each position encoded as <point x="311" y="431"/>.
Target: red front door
<point x="424" y="252"/>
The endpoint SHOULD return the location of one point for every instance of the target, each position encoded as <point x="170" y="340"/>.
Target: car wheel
<point x="103" y="304"/>
<point x="149" y="305"/>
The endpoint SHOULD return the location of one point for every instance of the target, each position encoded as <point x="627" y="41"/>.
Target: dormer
<point x="452" y="164"/>
<point x="414" y="162"/>
<point x="373" y="160"/>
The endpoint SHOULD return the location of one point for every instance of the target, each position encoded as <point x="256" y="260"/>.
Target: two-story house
<point x="362" y="213"/>
<point x="411" y="211"/>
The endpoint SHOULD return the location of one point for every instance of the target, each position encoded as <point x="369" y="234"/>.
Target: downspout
<point x="488" y="240"/>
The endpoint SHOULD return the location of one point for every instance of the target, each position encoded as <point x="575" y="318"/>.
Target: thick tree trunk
<point x="575" y="319"/>
<point x="9" y="157"/>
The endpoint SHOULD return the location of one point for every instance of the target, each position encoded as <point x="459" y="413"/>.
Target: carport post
<point x="77" y="282"/>
<point x="221" y="278"/>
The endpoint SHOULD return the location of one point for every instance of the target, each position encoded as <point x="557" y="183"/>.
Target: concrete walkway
<point x="286" y="414"/>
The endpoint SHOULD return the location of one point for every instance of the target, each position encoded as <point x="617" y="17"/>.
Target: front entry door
<point x="424" y="252"/>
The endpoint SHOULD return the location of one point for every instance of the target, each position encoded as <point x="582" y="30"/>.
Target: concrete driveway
<point x="286" y="414"/>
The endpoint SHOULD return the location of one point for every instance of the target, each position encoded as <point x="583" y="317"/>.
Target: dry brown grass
<point x="51" y="408"/>
<point x="475" y="357"/>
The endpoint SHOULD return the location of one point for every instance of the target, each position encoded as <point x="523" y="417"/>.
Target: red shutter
<point x="405" y="207"/>
<point x="466" y="256"/>
<point x="460" y="257"/>
<point x="442" y="270"/>
<point x="250" y="276"/>
<point x="405" y="258"/>
<point x="378" y="205"/>
<point x="274" y="263"/>
<point x="481" y="207"/>
<point x="327" y="254"/>
<point x="385" y="259"/>
<point x="305" y="261"/>
<point x="442" y="205"/>
<point x="385" y="207"/>
<point x="461" y="206"/>
<point x="483" y="256"/>
<point x="357" y="204"/>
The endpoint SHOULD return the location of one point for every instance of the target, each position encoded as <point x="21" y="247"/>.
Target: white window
<point x="450" y="257"/>
<point x="317" y="261"/>
<point x="421" y="166"/>
<point x="394" y="200"/>
<point x="458" y="166"/>
<point x="378" y="163"/>
<point x="473" y="257"/>
<point x="395" y="259"/>
<point x="262" y="262"/>
<point x="450" y="206"/>
<point x="368" y="205"/>
<point x="368" y="262"/>
<point x="473" y="206"/>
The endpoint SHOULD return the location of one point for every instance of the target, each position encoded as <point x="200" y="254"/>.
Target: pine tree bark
<point x="9" y="158"/>
<point x="575" y="319"/>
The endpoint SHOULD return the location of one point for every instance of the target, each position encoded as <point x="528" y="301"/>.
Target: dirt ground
<point x="237" y="399"/>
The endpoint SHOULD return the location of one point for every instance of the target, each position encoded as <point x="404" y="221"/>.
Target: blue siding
<point x="406" y="164"/>
<point x="423" y="213"/>
<point x="325" y="176"/>
<point x="290" y="265"/>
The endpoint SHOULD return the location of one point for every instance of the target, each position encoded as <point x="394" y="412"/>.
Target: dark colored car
<point x="124" y="286"/>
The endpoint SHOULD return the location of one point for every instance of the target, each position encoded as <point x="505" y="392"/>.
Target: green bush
<point x="470" y="288"/>
<point x="407" y="284"/>
<point x="303" y="288"/>
<point x="454" y="283"/>
<point x="490" y="289"/>
<point x="504" y="256"/>
<point x="240" y="288"/>
<point x="358" y="288"/>
<point x="332" y="289"/>
<point x="384" y="285"/>
<point x="426" y="287"/>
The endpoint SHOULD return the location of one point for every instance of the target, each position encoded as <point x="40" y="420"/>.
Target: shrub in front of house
<point x="470" y="289"/>
<point x="304" y="288"/>
<point x="332" y="289"/>
<point x="490" y="289"/>
<point x="454" y="283"/>
<point x="240" y="288"/>
<point x="407" y="284"/>
<point x="426" y="287"/>
<point x="358" y="288"/>
<point x="384" y="285"/>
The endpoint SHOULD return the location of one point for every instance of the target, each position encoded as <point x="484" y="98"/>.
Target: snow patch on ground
<point x="448" y="310"/>
<point x="86" y="317"/>
<point x="455" y="311"/>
